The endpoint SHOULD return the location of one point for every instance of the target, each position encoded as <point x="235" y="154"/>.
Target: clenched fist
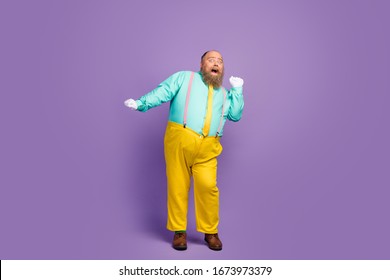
<point x="131" y="104"/>
<point x="236" y="81"/>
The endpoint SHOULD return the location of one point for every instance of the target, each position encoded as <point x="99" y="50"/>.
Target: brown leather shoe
<point x="213" y="241"/>
<point x="180" y="241"/>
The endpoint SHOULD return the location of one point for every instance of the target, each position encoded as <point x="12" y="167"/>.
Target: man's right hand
<point x="131" y="104"/>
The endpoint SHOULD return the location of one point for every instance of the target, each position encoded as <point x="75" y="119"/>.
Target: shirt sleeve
<point x="236" y="104"/>
<point x="165" y="92"/>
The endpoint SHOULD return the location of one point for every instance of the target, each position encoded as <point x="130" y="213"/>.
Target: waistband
<point x="189" y="130"/>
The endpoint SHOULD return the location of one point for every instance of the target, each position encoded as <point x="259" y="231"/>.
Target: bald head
<point x="211" y="52"/>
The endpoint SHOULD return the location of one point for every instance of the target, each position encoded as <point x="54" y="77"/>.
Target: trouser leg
<point x="178" y="183"/>
<point x="206" y="192"/>
<point x="178" y="180"/>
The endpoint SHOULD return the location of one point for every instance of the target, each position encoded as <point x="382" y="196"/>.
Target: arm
<point x="236" y="99"/>
<point x="163" y="93"/>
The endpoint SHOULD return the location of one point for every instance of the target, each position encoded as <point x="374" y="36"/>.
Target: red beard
<point x="214" y="80"/>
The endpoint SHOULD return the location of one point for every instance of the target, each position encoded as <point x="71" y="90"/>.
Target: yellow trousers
<point x="190" y="154"/>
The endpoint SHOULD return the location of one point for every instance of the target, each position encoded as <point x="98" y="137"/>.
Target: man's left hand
<point x="236" y="81"/>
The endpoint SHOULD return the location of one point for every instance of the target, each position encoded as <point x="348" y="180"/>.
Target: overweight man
<point x="199" y="108"/>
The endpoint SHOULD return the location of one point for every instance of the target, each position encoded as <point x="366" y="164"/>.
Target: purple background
<point x="303" y="175"/>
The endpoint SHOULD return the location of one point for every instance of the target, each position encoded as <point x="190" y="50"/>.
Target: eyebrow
<point x="215" y="57"/>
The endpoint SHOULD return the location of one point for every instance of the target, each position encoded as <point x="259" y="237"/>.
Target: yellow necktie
<point x="207" y="122"/>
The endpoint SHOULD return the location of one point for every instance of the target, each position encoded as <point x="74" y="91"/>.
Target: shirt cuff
<point x="236" y="90"/>
<point x="139" y="105"/>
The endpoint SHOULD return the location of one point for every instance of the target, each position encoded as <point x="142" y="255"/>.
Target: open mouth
<point x="214" y="71"/>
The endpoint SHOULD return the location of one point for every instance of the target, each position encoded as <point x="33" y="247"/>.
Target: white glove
<point x="236" y="81"/>
<point x="131" y="104"/>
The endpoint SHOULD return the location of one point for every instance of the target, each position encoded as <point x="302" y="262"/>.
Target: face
<point x="212" y="68"/>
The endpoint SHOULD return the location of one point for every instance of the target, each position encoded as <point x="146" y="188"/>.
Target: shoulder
<point x="185" y="76"/>
<point x="182" y="73"/>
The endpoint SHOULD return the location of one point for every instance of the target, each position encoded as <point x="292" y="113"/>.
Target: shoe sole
<point x="215" y="249"/>
<point x="180" y="248"/>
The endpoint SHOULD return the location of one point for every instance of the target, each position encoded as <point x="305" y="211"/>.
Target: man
<point x="198" y="111"/>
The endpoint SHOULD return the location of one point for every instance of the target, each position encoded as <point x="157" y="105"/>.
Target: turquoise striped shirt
<point x="174" y="89"/>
